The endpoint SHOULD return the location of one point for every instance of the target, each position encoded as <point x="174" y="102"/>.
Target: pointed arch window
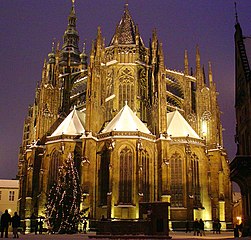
<point x="126" y="88"/>
<point x="126" y="176"/>
<point x="176" y="187"/>
<point x="54" y="166"/>
<point x="104" y="177"/>
<point x="145" y="176"/>
<point x="195" y="179"/>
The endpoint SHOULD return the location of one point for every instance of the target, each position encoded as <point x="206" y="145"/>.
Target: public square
<point x="91" y="235"/>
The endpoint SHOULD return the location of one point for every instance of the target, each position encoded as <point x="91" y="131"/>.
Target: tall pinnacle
<point x="71" y="39"/>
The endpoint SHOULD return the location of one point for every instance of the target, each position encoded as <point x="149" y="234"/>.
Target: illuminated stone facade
<point x="138" y="132"/>
<point x="241" y="164"/>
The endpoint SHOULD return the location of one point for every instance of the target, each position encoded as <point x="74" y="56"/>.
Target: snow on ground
<point x="174" y="235"/>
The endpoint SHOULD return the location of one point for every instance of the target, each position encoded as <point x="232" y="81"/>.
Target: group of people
<point x="36" y="225"/>
<point x="6" y="221"/>
<point x="216" y="226"/>
<point x="198" y="227"/>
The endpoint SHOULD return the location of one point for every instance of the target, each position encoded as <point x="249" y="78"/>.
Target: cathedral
<point x="137" y="130"/>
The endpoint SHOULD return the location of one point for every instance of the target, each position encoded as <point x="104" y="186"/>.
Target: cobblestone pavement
<point x="174" y="235"/>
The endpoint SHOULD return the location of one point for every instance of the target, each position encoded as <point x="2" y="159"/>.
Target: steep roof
<point x="72" y="125"/>
<point x="177" y="126"/>
<point x="126" y="120"/>
<point x="126" y="29"/>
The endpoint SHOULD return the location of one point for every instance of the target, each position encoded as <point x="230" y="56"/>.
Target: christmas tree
<point x="63" y="206"/>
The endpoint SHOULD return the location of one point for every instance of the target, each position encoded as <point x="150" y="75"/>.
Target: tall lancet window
<point x="54" y="167"/>
<point x="195" y="178"/>
<point x="126" y="88"/>
<point x="104" y="177"/>
<point x="126" y="176"/>
<point x="145" y="176"/>
<point x="176" y="187"/>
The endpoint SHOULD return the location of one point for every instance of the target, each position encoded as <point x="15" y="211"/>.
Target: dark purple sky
<point x="28" y="28"/>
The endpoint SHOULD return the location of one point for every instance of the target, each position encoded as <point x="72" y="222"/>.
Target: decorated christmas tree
<point x="63" y="206"/>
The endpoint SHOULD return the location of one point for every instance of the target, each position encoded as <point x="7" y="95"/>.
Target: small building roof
<point x="73" y="124"/>
<point x="5" y="183"/>
<point x="177" y="126"/>
<point x="126" y="120"/>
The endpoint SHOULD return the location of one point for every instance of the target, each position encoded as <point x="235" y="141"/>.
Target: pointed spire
<point x="71" y="39"/>
<point x="99" y="36"/>
<point x="51" y="55"/>
<point x="197" y="59"/>
<point x="84" y="57"/>
<point x="72" y="17"/>
<point x="210" y="74"/>
<point x="236" y="15"/>
<point x="186" y="66"/>
<point x="126" y="30"/>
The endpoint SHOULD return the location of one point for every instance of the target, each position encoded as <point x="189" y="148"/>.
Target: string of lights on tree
<point x="63" y="205"/>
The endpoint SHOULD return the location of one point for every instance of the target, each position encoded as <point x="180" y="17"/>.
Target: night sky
<point x="28" y="28"/>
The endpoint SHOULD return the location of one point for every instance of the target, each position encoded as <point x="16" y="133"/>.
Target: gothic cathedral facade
<point x="138" y="131"/>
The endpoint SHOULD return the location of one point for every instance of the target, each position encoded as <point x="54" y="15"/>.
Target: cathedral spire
<point x="126" y="30"/>
<point x="71" y="39"/>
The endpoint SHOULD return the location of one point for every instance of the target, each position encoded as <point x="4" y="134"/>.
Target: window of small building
<point x="11" y="196"/>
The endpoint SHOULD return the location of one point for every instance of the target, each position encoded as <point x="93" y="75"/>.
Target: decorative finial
<point x="53" y="45"/>
<point x="236" y="15"/>
<point x="126" y="4"/>
<point x="84" y="47"/>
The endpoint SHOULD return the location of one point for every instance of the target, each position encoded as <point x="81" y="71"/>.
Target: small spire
<point x="197" y="60"/>
<point x="186" y="67"/>
<point x="84" y="47"/>
<point x="236" y="15"/>
<point x="58" y="46"/>
<point x="52" y="46"/>
<point x="210" y="74"/>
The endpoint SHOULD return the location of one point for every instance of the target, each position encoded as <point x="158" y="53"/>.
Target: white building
<point x="8" y="195"/>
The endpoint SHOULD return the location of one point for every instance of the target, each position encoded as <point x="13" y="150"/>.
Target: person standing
<point x="5" y="222"/>
<point x="201" y="226"/>
<point x="218" y="226"/>
<point x="15" y="224"/>
<point x="85" y="226"/>
<point x="196" y="228"/>
<point x="40" y="223"/>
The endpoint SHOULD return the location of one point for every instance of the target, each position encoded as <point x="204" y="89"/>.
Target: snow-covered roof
<point x="177" y="126"/>
<point x="4" y="183"/>
<point x="72" y="125"/>
<point x="126" y="120"/>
